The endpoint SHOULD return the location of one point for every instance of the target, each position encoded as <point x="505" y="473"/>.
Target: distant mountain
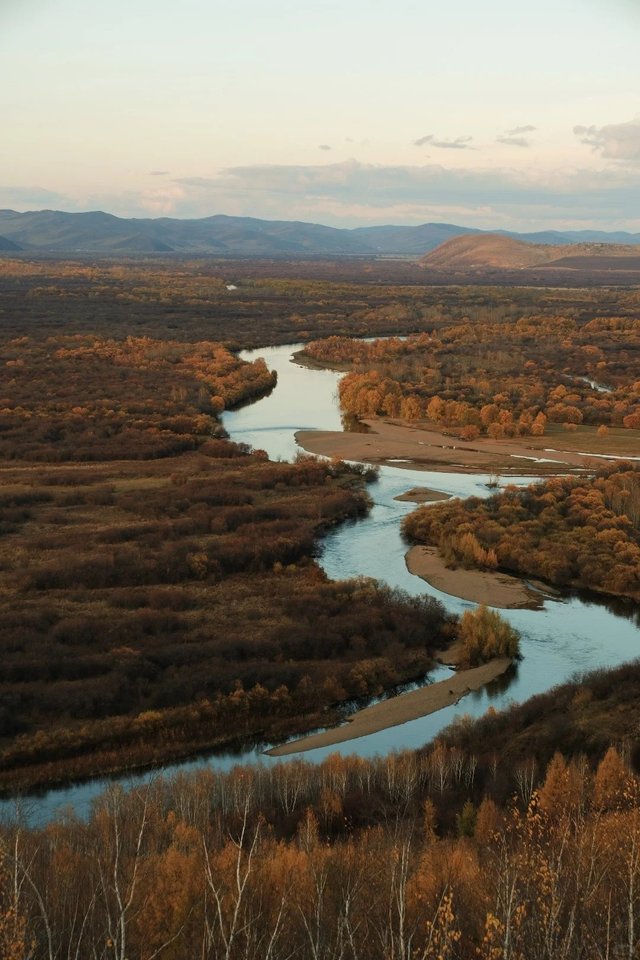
<point x="493" y="251"/>
<point x="102" y="233"/>
<point x="7" y="245"/>
<point x="99" y="232"/>
<point x="409" y="240"/>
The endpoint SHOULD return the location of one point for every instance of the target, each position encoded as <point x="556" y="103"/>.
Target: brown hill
<point x="493" y="251"/>
<point x="486" y="250"/>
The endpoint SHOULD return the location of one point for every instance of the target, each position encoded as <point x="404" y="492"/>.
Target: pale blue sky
<point x="496" y="114"/>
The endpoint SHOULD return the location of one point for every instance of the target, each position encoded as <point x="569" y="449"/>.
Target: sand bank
<point x="479" y="586"/>
<point x="400" y="709"/>
<point x="423" y="448"/>
<point x="423" y="495"/>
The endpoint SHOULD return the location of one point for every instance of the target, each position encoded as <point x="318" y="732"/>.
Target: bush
<point x="485" y="635"/>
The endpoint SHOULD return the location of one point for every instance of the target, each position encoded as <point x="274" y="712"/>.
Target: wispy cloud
<point x="324" y="146"/>
<point x="514" y="141"/>
<point x="515" y="137"/>
<point x="159" y="173"/>
<point x="34" y="197"/>
<point x="516" y="131"/>
<point x="614" y="141"/>
<point x="460" y="143"/>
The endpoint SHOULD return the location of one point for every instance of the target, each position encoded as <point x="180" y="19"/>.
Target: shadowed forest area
<point x="275" y="301"/>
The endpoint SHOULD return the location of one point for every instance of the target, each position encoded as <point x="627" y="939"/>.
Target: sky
<point x="492" y="114"/>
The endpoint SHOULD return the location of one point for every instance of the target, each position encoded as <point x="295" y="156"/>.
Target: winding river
<point x="565" y="637"/>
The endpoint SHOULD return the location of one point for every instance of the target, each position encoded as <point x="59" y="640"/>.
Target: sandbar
<point x="423" y="495"/>
<point x="420" y="446"/>
<point x="480" y="586"/>
<point x="400" y="709"/>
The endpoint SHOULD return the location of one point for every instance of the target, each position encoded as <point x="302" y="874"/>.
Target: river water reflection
<point x="566" y="637"/>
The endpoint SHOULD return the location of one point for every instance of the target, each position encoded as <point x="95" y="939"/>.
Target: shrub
<point x="484" y="635"/>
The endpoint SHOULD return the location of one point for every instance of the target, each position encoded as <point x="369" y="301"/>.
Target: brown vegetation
<point x="582" y="716"/>
<point x="159" y="589"/>
<point x="157" y="580"/>
<point x="92" y="398"/>
<point x="492" y="250"/>
<point x="488" y="250"/>
<point x="484" y="635"/>
<point x="506" y="379"/>
<point x="441" y="855"/>
<point x="567" y="531"/>
<point x="277" y="301"/>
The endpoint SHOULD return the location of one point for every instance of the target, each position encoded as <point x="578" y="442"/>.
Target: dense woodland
<point x="450" y="853"/>
<point x="160" y="596"/>
<point x="275" y="302"/>
<point x="95" y="399"/>
<point x="575" y="531"/>
<point x="140" y="548"/>
<point x="504" y="379"/>
<point x="141" y="551"/>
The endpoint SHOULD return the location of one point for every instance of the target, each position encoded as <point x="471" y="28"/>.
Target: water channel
<point x="566" y="637"/>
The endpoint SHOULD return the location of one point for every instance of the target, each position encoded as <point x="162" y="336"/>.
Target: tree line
<point x="578" y="531"/>
<point x="436" y="854"/>
<point x="507" y="379"/>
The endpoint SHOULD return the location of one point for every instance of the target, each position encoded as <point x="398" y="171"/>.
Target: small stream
<point x="566" y="637"/>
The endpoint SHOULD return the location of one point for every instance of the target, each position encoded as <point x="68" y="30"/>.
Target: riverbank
<point x="400" y="709"/>
<point x="479" y="586"/>
<point x="424" y="447"/>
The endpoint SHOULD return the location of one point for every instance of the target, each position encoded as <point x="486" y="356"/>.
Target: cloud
<point x="352" y="193"/>
<point x="515" y="138"/>
<point x="34" y="198"/>
<point x="514" y="141"/>
<point x="460" y="143"/>
<point x="324" y="146"/>
<point x="518" y="130"/>
<point x="159" y="173"/>
<point x="614" y="141"/>
<point x="163" y="200"/>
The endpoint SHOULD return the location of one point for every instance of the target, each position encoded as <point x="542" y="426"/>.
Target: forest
<point x="274" y="302"/>
<point x="447" y="853"/>
<point x="161" y="597"/>
<point x="141" y="548"/>
<point x="577" y="531"/>
<point x="506" y="379"/>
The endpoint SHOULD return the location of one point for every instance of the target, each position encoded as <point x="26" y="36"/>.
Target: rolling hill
<point x="96" y="232"/>
<point x="491" y="251"/>
<point x="8" y="246"/>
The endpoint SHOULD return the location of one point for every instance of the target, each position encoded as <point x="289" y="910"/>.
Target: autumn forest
<point x="163" y="597"/>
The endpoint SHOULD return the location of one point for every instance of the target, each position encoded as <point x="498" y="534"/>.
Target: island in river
<point x="405" y="707"/>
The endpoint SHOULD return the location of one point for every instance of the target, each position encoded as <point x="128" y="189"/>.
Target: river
<point x="565" y="637"/>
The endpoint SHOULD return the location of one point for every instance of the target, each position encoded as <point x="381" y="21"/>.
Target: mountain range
<point x="55" y="231"/>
